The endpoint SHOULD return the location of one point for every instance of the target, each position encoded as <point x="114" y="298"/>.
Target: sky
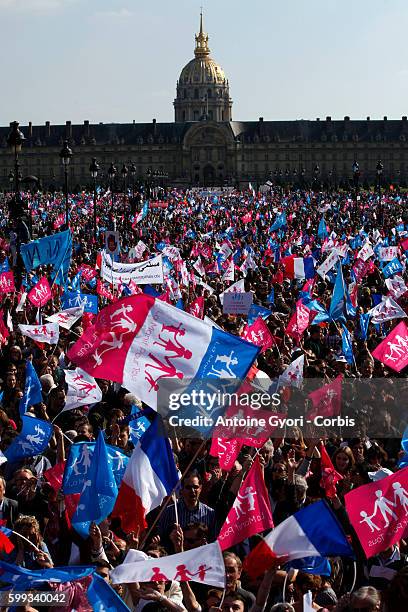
<point x="119" y="60"/>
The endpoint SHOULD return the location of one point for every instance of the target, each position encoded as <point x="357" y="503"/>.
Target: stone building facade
<point x="204" y="146"/>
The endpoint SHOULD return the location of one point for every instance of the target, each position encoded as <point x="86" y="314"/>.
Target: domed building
<point x="202" y="89"/>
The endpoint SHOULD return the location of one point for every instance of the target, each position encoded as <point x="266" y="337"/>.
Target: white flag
<point x="328" y="264"/>
<point x="66" y="318"/>
<point x="204" y="565"/>
<point x="293" y="375"/>
<point x="396" y="286"/>
<point x="366" y="252"/>
<point x="22" y="301"/>
<point x="238" y="287"/>
<point x="198" y="266"/>
<point x="48" y="333"/>
<point x="229" y="274"/>
<point x="388" y="253"/>
<point x="83" y="389"/>
<point x="386" y="310"/>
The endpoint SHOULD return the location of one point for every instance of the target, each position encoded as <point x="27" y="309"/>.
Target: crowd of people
<point x="212" y="241"/>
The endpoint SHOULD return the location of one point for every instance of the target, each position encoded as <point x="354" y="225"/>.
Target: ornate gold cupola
<point x="202" y="89"/>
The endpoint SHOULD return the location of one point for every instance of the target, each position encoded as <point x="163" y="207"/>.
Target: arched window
<point x="209" y="93"/>
<point x="196" y="94"/>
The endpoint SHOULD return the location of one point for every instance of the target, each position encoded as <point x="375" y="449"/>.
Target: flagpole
<point x="169" y="497"/>
<point x="28" y="541"/>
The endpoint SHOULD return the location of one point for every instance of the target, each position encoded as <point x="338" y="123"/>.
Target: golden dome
<point x="202" y="69"/>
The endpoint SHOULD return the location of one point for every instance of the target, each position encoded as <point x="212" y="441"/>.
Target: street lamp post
<point x="148" y="176"/>
<point x="356" y="178"/>
<point x="112" y="173"/>
<point x="93" y="169"/>
<point x="65" y="155"/>
<point x="380" y="169"/>
<point x="15" y="141"/>
<point x="316" y="173"/>
<point x="133" y="175"/>
<point x="124" y="172"/>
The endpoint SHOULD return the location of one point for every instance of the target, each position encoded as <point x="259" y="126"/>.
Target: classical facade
<point x="204" y="146"/>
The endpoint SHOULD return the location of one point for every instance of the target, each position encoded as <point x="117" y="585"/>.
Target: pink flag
<point x="329" y="475"/>
<point x="103" y="291"/>
<point x="226" y="450"/>
<point x="299" y="321"/>
<point x="251" y="511"/>
<point x="40" y="293"/>
<point x="88" y="273"/>
<point x="259" y="334"/>
<point x="7" y="282"/>
<point x="4" y="332"/>
<point x="379" y="512"/>
<point x="247" y="218"/>
<point x="60" y="220"/>
<point x="326" y="401"/>
<point x="360" y="268"/>
<point x="196" y="308"/>
<point x="393" y="350"/>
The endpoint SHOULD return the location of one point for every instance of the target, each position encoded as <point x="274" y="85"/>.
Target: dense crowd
<point x="211" y="240"/>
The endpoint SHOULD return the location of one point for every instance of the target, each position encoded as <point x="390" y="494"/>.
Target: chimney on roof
<point x="404" y="118"/>
<point x="260" y="119"/>
<point x="385" y="118"/>
<point x="154" y="127"/>
<point x="30" y="129"/>
<point x="68" y="129"/>
<point x="328" y="119"/>
<point x="317" y="118"/>
<point x="346" y="118"/>
<point x="47" y="129"/>
<point x="368" y="118"/>
<point x="86" y="125"/>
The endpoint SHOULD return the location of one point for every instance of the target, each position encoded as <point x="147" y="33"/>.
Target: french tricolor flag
<point x="312" y="532"/>
<point x="141" y="342"/>
<point x="150" y="476"/>
<point x="298" y="267"/>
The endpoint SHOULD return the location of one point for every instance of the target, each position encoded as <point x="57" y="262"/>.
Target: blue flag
<point x="103" y="598"/>
<point x="72" y="299"/>
<point x="311" y="565"/>
<point x="137" y="428"/>
<point x="346" y="345"/>
<point x="403" y="462"/>
<point x="338" y="301"/>
<point x="99" y="493"/>
<point x="364" y="322"/>
<point x="393" y="267"/>
<point x="31" y="441"/>
<point x="271" y="297"/>
<point x="75" y="285"/>
<point x="279" y="222"/>
<point x="256" y="311"/>
<point x="180" y="304"/>
<point x="55" y="250"/>
<point x="79" y="461"/>
<point x="322" y="229"/>
<point x="20" y="576"/>
<point x="32" y="389"/>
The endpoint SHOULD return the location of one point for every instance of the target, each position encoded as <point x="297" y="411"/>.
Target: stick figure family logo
<point x="225" y="369"/>
<point x="183" y="574"/>
<point x="169" y="339"/>
<point x="83" y="387"/>
<point x="83" y="461"/>
<point x="383" y="506"/>
<point x="397" y="350"/>
<point x="244" y="503"/>
<point x="123" y="324"/>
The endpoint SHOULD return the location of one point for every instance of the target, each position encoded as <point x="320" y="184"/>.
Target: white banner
<point x="388" y="253"/>
<point x="204" y="565"/>
<point x="366" y="252"/>
<point x="328" y="264"/>
<point x="66" y="318"/>
<point x="48" y="333"/>
<point x="82" y="389"/>
<point x="142" y="273"/>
